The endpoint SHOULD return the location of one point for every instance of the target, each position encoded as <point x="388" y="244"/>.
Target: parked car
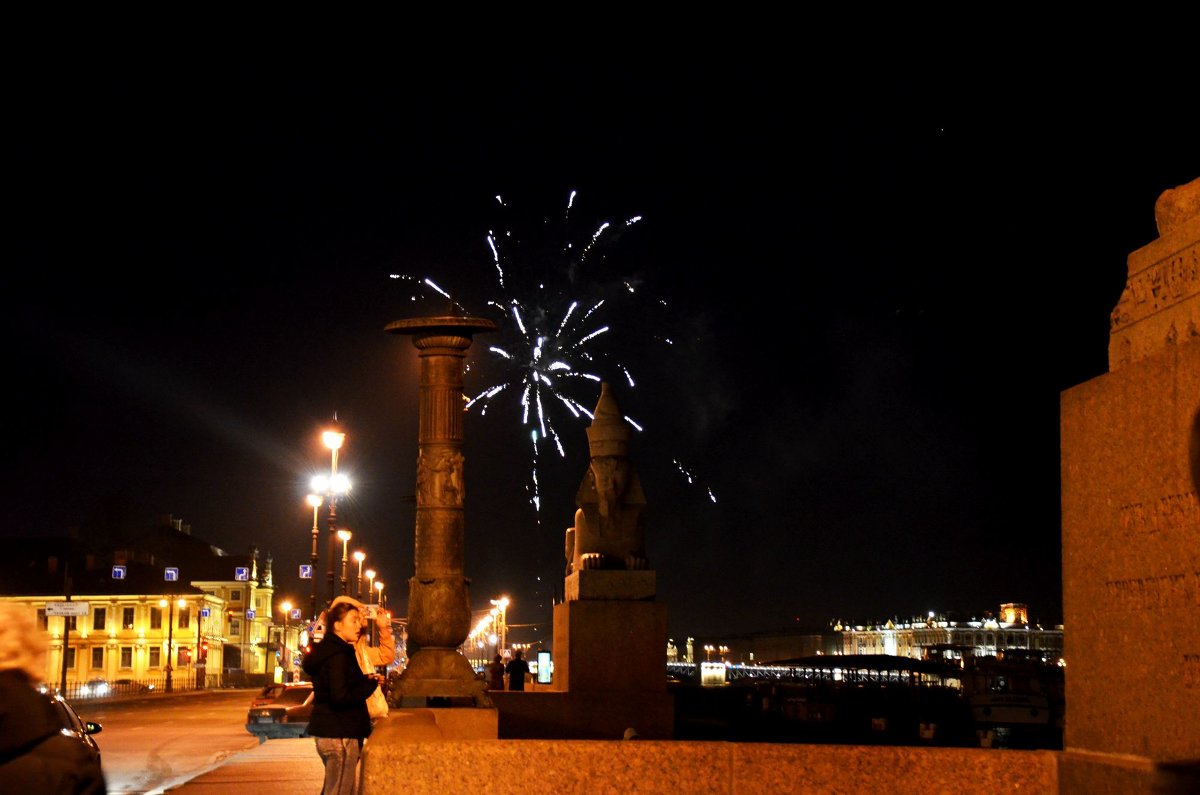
<point x="74" y="726"/>
<point x="273" y="691"/>
<point x="285" y="716"/>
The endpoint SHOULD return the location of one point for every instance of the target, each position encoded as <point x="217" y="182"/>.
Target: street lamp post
<point x="344" y="535"/>
<point x="359" y="556"/>
<point x="501" y="621"/>
<point x="371" y="584"/>
<point x="379" y="587"/>
<point x="334" y="485"/>
<point x="315" y="501"/>
<point x="170" y="604"/>
<point x="286" y="657"/>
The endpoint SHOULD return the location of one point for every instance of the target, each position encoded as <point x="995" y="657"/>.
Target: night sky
<point x="874" y="289"/>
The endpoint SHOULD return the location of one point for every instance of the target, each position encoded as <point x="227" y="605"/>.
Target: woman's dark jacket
<point x="35" y="756"/>
<point x="340" y="690"/>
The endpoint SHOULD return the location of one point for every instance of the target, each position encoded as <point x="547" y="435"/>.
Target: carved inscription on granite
<point x="1173" y="512"/>
<point x="1156" y="592"/>
<point x="1163" y="284"/>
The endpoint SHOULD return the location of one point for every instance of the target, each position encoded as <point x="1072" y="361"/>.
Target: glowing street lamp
<point x="332" y="486"/>
<point x="379" y="587"/>
<point x="371" y="583"/>
<point x="315" y="501"/>
<point x="708" y="650"/>
<point x="344" y="535"/>
<point x="359" y="556"/>
<point x="501" y="621"/>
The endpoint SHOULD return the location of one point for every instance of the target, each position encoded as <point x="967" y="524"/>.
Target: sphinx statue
<point x="608" y="531"/>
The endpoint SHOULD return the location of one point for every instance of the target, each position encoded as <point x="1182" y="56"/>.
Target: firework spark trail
<point x="539" y="355"/>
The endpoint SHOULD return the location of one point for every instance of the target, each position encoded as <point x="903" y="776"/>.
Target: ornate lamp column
<point x="439" y="609"/>
<point x="315" y="501"/>
<point x="333" y="439"/>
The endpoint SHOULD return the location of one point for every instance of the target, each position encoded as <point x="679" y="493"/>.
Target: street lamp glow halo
<point x="333" y="439"/>
<point x="315" y="500"/>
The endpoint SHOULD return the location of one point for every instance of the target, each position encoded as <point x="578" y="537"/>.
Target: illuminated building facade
<point x="982" y="637"/>
<point x="167" y="597"/>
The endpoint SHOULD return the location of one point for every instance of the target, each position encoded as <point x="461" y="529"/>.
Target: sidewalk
<point x="288" y="765"/>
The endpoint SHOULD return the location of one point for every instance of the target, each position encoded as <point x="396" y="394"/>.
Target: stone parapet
<point x="647" y="766"/>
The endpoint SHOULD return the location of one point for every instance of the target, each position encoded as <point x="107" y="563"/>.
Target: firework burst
<point x="557" y="305"/>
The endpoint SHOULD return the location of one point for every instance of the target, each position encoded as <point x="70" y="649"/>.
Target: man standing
<point x="495" y="672"/>
<point x="517" y="668"/>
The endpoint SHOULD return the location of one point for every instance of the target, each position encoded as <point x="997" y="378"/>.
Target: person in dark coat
<point x="517" y="669"/>
<point x="340" y="721"/>
<point x="495" y="674"/>
<point x="35" y="756"/>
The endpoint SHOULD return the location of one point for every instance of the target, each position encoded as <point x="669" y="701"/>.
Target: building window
<point x="98" y="657"/>
<point x="155" y="657"/>
<point x="99" y="617"/>
<point x="155" y="618"/>
<point x="126" y="656"/>
<point x="71" y="657"/>
<point x="185" y="617"/>
<point x="127" y="618"/>
<point x="183" y="656"/>
<point x="235" y="626"/>
<point x="235" y="594"/>
<point x="71" y="623"/>
<point x="42" y="620"/>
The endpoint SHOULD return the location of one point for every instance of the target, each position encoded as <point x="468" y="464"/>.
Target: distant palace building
<point x="937" y="635"/>
<point x="165" y="587"/>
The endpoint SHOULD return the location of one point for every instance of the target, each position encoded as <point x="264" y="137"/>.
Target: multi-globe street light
<point x="332" y="486"/>
<point x="315" y="501"/>
<point x="501" y="614"/>
<point x="344" y="535"/>
<point x="359" y="556"/>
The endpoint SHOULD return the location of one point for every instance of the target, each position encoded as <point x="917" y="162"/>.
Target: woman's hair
<point x="336" y="612"/>
<point x="22" y="645"/>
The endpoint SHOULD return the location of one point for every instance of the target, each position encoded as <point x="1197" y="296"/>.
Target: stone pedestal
<point x="1131" y="533"/>
<point x="610" y="645"/>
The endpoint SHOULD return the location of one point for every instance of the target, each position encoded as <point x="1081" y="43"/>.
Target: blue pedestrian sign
<point x="204" y="611"/>
<point x="118" y="572"/>
<point x="241" y="573"/>
<point x="295" y="612"/>
<point x="171" y="574"/>
<point x="250" y="614"/>
<point x="306" y="571"/>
